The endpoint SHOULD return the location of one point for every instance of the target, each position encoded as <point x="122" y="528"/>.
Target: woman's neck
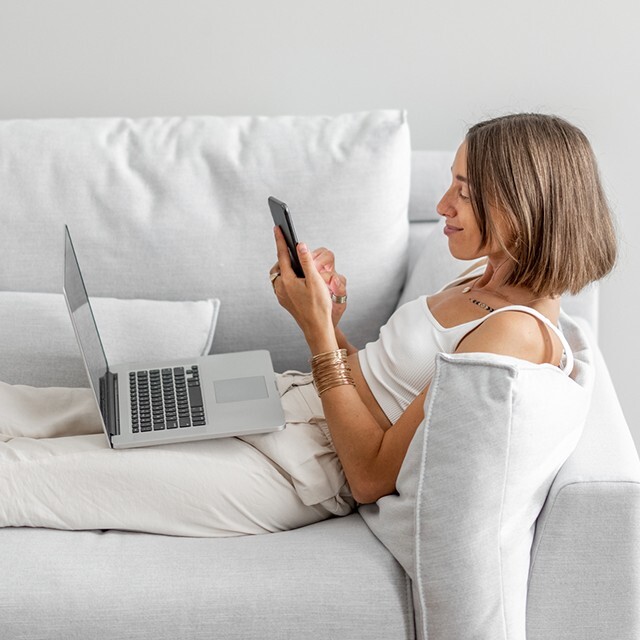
<point x="495" y="274"/>
<point x="492" y="282"/>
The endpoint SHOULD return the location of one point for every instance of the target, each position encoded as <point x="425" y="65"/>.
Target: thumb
<point x="306" y="260"/>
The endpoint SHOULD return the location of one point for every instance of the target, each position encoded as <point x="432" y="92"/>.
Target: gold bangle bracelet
<point x="329" y="356"/>
<point x="331" y="369"/>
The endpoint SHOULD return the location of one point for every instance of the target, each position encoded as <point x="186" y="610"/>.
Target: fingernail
<point x="303" y="248"/>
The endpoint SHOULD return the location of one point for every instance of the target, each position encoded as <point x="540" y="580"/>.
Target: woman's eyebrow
<point x="459" y="177"/>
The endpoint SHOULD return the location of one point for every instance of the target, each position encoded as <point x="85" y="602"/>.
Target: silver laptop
<point x="148" y="403"/>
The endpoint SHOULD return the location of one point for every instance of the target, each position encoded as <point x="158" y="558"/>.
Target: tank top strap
<point x="568" y="367"/>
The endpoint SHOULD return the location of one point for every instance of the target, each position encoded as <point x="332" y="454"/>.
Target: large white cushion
<point x="38" y="346"/>
<point x="176" y="209"/>
<point x="476" y="475"/>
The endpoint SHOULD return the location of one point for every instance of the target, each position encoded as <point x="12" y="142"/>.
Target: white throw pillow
<point x="476" y="475"/>
<point x="38" y="346"/>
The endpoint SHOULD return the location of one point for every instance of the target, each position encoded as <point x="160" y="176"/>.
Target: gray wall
<point x="449" y="64"/>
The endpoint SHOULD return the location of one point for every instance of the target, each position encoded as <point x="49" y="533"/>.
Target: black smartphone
<point x="282" y="218"/>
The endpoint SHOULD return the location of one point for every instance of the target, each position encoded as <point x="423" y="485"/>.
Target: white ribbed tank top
<point x="400" y="364"/>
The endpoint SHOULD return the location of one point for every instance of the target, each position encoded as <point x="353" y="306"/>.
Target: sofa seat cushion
<point x="315" y="582"/>
<point x="39" y="348"/>
<point x="176" y="208"/>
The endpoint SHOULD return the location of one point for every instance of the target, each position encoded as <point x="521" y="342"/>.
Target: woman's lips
<point x="449" y="230"/>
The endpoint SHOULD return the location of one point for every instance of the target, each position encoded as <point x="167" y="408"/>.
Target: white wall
<point x="450" y="64"/>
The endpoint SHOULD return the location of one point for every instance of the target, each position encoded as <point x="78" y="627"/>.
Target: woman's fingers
<point x="308" y="299"/>
<point x="338" y="285"/>
<point x="325" y="262"/>
<point x="308" y="263"/>
<point x="324" y="259"/>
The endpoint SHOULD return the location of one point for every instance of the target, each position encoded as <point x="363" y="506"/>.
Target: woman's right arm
<point x="356" y="433"/>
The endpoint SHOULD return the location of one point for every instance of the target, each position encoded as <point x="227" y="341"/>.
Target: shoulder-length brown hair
<point x="541" y="173"/>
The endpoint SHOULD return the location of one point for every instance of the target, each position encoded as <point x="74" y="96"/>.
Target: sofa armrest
<point x="585" y="573"/>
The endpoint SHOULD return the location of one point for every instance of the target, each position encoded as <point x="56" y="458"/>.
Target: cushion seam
<point x="502" y="503"/>
<point x="418" y="507"/>
<point x="480" y="363"/>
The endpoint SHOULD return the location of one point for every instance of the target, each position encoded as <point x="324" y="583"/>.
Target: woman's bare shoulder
<point x="512" y="333"/>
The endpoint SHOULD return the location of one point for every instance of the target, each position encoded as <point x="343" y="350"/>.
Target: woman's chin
<point x="459" y="253"/>
<point x="462" y="248"/>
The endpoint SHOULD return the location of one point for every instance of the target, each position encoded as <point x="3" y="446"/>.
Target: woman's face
<point x="461" y="227"/>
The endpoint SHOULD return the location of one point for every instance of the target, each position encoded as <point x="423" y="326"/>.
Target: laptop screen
<point x="83" y="320"/>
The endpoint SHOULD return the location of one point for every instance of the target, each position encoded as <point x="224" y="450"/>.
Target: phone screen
<point x="282" y="218"/>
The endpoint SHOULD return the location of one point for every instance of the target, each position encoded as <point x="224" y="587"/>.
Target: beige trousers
<point x="57" y="471"/>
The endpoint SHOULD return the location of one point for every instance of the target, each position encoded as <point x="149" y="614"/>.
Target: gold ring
<point x="338" y="299"/>
<point x="273" y="276"/>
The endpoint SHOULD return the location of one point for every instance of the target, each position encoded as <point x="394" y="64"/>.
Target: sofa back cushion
<point x="176" y="209"/>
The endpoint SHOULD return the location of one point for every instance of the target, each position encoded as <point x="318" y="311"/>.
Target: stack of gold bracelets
<point x="330" y="370"/>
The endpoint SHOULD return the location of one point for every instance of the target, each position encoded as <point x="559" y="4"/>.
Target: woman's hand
<point x="325" y="263"/>
<point x="308" y="299"/>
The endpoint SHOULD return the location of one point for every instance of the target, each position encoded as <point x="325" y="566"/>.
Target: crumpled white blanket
<point x="56" y="470"/>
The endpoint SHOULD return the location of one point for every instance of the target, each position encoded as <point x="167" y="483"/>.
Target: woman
<point x="525" y="198"/>
<point x="525" y="193"/>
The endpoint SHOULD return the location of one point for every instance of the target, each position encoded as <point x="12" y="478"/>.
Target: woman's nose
<point x="444" y="207"/>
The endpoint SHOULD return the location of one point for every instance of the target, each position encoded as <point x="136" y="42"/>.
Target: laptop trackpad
<point x="240" y="389"/>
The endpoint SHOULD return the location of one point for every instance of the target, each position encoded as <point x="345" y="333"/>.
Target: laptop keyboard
<point x="166" y="399"/>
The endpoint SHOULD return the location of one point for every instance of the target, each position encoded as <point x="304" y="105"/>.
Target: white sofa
<point x="175" y="210"/>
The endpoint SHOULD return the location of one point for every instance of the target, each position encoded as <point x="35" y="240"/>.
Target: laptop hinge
<point x="110" y="402"/>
